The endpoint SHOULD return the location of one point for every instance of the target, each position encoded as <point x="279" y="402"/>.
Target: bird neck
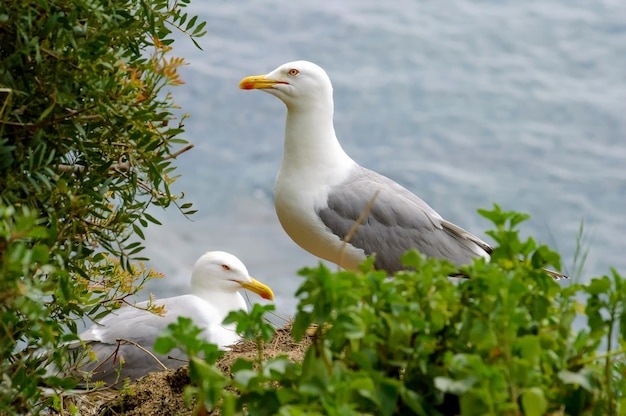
<point x="225" y="302"/>
<point x="310" y="141"/>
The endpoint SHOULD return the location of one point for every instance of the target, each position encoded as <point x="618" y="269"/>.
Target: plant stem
<point x="608" y="363"/>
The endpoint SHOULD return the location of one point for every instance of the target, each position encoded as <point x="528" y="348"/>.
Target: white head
<point x="218" y="271"/>
<point x="301" y="85"/>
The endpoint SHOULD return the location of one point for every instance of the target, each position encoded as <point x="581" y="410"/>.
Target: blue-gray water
<point x="465" y="103"/>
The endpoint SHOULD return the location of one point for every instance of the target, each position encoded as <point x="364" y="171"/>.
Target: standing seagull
<point x="216" y="278"/>
<point x="320" y="191"/>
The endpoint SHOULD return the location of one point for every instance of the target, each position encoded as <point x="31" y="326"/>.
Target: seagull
<point x="333" y="207"/>
<point x="122" y="342"/>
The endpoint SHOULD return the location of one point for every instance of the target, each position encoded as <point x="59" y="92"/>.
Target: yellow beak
<point x="259" y="288"/>
<point x="258" y="82"/>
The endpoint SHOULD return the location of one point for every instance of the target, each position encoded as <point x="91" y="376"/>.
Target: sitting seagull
<point x="321" y="193"/>
<point x="216" y="278"/>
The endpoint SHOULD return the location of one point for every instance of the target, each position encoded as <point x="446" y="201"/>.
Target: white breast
<point x="297" y="196"/>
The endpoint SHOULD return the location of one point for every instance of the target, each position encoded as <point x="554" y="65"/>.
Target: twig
<point x="601" y="357"/>
<point x="49" y="52"/>
<point x="15" y="123"/>
<point x="356" y="225"/>
<point x="178" y="152"/>
<point x="120" y="340"/>
<point x="120" y="166"/>
<point x="169" y="357"/>
<point x="117" y="299"/>
<point x="9" y="92"/>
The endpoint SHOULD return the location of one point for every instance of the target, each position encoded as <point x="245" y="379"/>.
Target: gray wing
<point x="117" y="360"/>
<point x="398" y="221"/>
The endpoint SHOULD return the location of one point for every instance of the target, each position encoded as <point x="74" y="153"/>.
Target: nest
<point x="163" y="392"/>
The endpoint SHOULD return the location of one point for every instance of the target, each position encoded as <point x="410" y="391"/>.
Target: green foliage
<point x="87" y="145"/>
<point x="251" y="325"/>
<point x="501" y="342"/>
<point x="209" y="380"/>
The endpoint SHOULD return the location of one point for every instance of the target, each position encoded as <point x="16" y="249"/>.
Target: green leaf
<point x="210" y="380"/>
<point x="388" y="392"/>
<point x="473" y="405"/>
<point x="199" y="28"/>
<point x="47" y="112"/>
<point x="151" y="219"/>
<point x="364" y="386"/>
<point x="622" y="407"/>
<point x="164" y="344"/>
<point x="534" y="402"/>
<point x="139" y="231"/>
<point x="191" y="23"/>
<point x="244" y="378"/>
<point x="495" y="216"/>
<point x="530" y="347"/>
<point x="598" y="286"/>
<point x="579" y="378"/>
<point x="241" y="364"/>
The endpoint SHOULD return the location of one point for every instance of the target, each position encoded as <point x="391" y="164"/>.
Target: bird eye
<point x="293" y="72"/>
<point x="225" y="267"/>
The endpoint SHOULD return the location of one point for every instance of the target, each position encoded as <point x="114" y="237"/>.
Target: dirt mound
<point x="162" y="392"/>
<point x="158" y="393"/>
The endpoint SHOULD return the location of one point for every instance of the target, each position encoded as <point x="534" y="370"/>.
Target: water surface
<point x="465" y="103"/>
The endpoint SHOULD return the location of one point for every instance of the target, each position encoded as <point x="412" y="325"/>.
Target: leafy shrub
<point x="86" y="147"/>
<point x="502" y="342"/>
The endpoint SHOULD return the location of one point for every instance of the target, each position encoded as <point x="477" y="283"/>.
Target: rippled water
<point x="465" y="103"/>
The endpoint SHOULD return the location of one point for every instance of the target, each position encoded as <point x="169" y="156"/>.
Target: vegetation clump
<point x="510" y="340"/>
<point x="87" y="143"/>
